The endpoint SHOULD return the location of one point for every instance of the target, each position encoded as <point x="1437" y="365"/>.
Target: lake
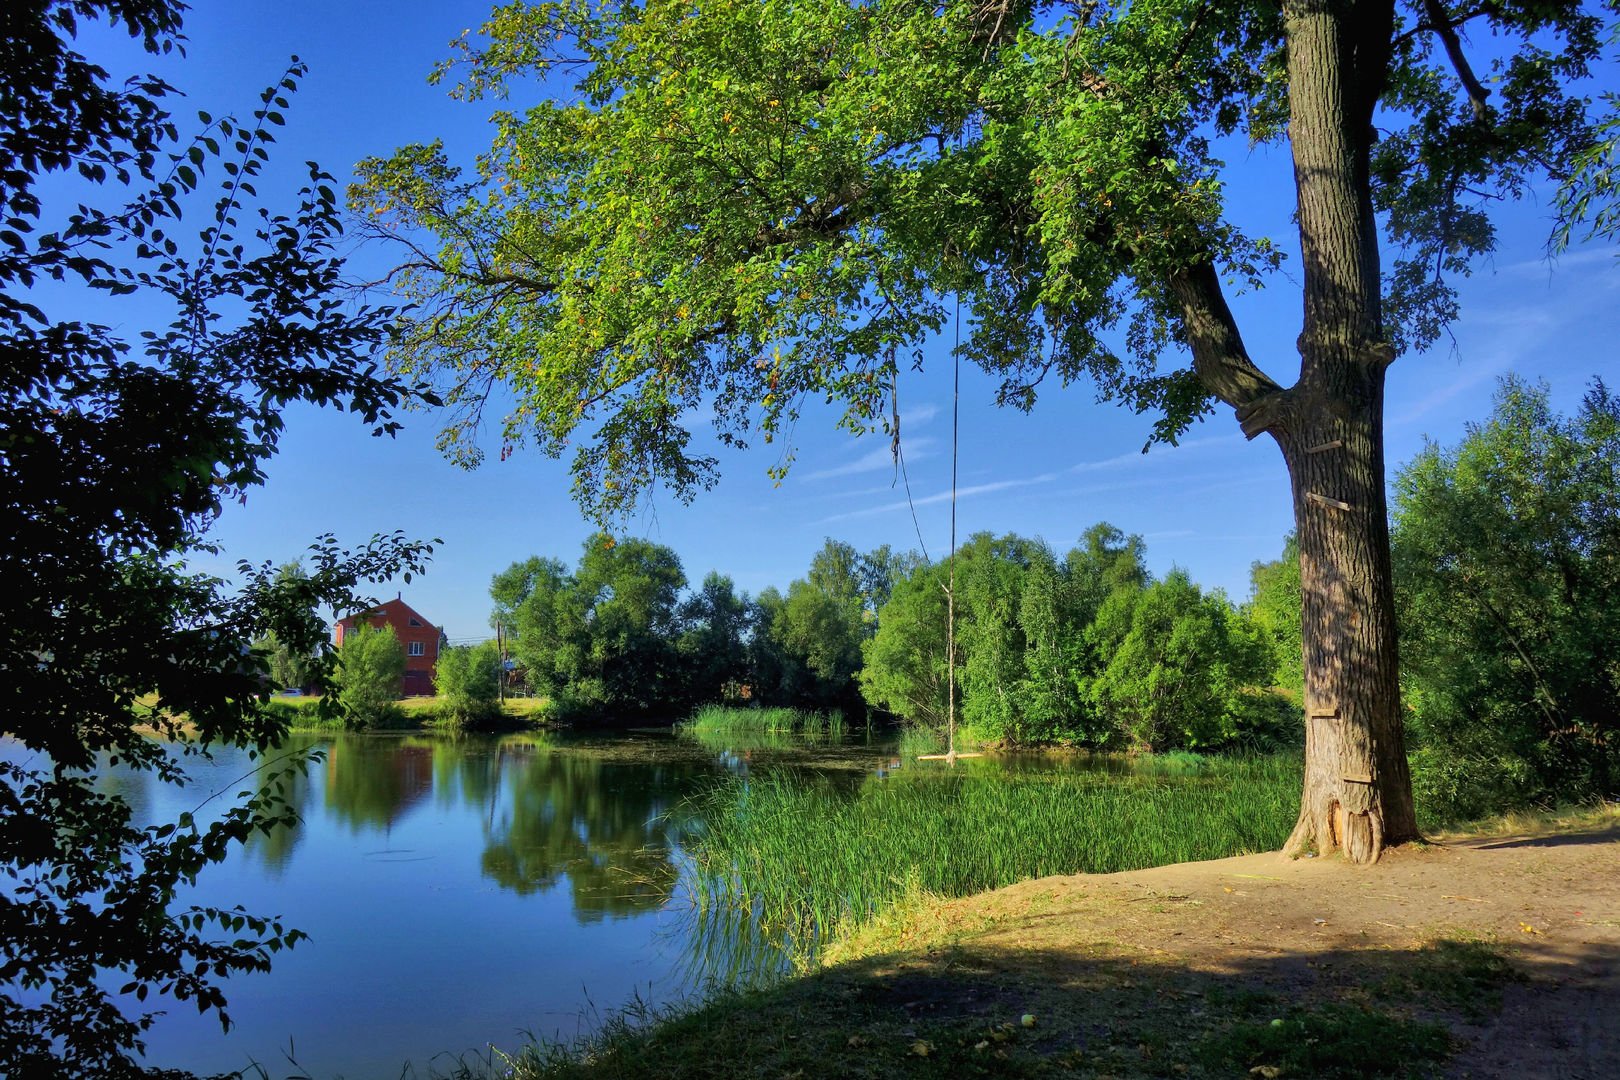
<point x="459" y="893"/>
<point x="466" y="893"/>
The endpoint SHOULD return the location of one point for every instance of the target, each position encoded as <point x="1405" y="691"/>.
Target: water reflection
<point x="548" y="815"/>
<point x="601" y="824"/>
<point x="373" y="783"/>
<point x="500" y="859"/>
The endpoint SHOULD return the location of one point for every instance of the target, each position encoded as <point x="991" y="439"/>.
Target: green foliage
<point x="904" y="669"/>
<point x="601" y="639"/>
<point x="1507" y="557"/>
<point x="371" y="665"/>
<point x="286" y="668"/>
<point x="713" y="643"/>
<point x="289" y="668"/>
<point x="823" y="631"/>
<point x="1057" y="172"/>
<point x="532" y="600"/>
<point x="1274" y="608"/>
<point x="806" y="647"/>
<point x="1084" y="650"/>
<point x="115" y="455"/>
<point x="468" y="678"/>
<point x="730" y="720"/>
<point x="809" y="859"/>
<point x="1181" y="669"/>
<point x="617" y="636"/>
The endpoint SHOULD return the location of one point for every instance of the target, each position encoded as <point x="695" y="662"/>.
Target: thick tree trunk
<point x="1357" y="793"/>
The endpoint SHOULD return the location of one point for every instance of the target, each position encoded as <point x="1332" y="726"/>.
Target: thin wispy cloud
<point x="1570" y="260"/>
<point x="879" y="457"/>
<point x="1158" y="453"/>
<point x="1472" y="376"/>
<point x="917" y="415"/>
<point x="942" y="496"/>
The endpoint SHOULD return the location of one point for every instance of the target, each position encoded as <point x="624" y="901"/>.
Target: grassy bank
<point x="815" y="861"/>
<point x="1263" y="967"/>
<point x="412" y="714"/>
<point x="714" y="720"/>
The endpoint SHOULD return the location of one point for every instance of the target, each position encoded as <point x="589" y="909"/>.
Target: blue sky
<point x="1211" y="506"/>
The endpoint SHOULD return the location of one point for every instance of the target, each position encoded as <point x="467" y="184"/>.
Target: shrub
<point x="371" y="663"/>
<point x="469" y="681"/>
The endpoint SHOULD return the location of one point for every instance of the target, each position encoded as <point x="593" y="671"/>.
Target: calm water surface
<point x="461" y="893"/>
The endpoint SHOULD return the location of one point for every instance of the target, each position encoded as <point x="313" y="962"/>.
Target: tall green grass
<point x="809" y="860"/>
<point x="731" y="720"/>
<point x="917" y="740"/>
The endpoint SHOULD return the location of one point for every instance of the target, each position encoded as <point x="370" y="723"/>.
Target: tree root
<point x="1360" y="836"/>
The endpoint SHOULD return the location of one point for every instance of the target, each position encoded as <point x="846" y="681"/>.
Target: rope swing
<point x="950" y="754"/>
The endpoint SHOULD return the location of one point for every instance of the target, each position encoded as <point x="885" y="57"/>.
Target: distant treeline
<point x="1507" y="558"/>
<point x="1084" y="648"/>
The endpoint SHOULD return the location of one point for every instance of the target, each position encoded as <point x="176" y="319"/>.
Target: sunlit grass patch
<point x="811" y="859"/>
<point x="734" y="720"/>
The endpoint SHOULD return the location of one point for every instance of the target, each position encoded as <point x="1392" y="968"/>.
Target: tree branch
<point x="1220" y="359"/>
<point x="1442" y="25"/>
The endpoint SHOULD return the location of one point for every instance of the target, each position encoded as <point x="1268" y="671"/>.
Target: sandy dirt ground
<point x="1549" y="904"/>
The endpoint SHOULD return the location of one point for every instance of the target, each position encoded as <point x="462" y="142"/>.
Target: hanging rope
<point x="950" y="755"/>
<point x="950" y="592"/>
<point x="899" y="452"/>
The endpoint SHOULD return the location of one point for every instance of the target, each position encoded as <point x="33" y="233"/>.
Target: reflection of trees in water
<point x="288" y="782"/>
<point x="371" y="783"/>
<point x="598" y="823"/>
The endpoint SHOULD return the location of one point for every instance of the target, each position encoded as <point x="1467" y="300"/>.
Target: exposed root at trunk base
<point x="1333" y="828"/>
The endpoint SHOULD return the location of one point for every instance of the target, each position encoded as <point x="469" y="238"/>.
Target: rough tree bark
<point x="1357" y="791"/>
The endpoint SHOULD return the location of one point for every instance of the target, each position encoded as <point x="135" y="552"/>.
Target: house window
<point x="416" y="648"/>
<point x="415" y="623"/>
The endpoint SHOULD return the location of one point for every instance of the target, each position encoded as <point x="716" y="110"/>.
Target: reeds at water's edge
<point x="734" y="720"/>
<point x="810" y="860"/>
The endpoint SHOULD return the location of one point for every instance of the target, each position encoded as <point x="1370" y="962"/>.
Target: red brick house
<point x="418" y="637"/>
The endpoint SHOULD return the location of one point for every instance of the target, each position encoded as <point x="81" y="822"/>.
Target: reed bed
<point x="808" y="861"/>
<point x="731" y="720"/>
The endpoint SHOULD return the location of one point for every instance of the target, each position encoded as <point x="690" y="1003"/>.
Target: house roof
<point x="395" y="610"/>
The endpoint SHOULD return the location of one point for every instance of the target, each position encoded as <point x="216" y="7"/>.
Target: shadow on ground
<point x="1604" y="835"/>
<point x="1108" y="1010"/>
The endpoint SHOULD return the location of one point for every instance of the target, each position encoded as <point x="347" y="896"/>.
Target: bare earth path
<point x="1511" y="943"/>
<point x="1552" y="903"/>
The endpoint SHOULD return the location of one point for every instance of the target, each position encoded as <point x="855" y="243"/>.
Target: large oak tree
<point x="740" y="205"/>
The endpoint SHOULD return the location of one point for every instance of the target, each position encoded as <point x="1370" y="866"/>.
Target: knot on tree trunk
<point x="1264" y="413"/>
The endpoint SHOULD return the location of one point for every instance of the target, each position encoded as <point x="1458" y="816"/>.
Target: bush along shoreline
<point x="302" y="714"/>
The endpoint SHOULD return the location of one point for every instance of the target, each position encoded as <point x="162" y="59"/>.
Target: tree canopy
<point x="1083" y="650"/>
<point x="745" y="206"/>
<point x="1507" y="557"/>
<point x="371" y="663"/>
<point x="742" y="207"/>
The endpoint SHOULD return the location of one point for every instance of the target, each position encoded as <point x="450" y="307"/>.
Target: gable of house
<point x="417" y="636"/>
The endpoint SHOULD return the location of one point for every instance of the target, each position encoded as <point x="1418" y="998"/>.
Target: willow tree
<point x="737" y="206"/>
